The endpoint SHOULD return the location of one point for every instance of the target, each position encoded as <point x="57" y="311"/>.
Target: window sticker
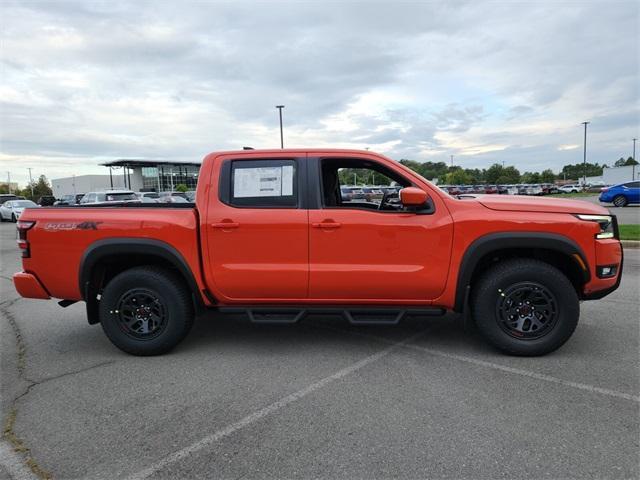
<point x="263" y="182"/>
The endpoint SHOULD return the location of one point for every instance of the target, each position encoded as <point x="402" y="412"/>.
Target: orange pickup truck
<point x="271" y="234"/>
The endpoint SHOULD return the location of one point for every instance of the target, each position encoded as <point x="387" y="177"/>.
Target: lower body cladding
<point x="521" y="306"/>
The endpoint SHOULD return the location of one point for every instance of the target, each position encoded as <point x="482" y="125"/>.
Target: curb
<point x="630" y="243"/>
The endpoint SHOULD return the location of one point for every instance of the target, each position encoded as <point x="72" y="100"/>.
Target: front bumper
<point x="608" y="252"/>
<point x="29" y="286"/>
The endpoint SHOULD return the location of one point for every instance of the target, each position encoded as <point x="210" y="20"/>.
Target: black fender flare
<point x="512" y="240"/>
<point x="101" y="249"/>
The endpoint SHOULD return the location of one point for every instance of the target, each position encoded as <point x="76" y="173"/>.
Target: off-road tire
<point x="507" y="275"/>
<point x="172" y="298"/>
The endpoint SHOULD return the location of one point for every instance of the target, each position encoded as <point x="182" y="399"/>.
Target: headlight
<point x="607" y="229"/>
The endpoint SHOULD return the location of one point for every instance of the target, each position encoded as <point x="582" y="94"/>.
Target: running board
<point x="355" y="315"/>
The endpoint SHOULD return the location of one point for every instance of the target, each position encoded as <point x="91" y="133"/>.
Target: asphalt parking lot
<point x="319" y="399"/>
<point x="629" y="215"/>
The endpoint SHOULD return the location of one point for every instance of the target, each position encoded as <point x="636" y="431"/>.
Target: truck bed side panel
<point x="61" y="235"/>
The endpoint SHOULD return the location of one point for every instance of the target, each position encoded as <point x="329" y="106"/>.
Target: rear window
<point x="263" y="183"/>
<point x="120" y="197"/>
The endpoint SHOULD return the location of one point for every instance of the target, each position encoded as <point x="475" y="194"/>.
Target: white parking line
<point x="504" y="368"/>
<point x="263" y="412"/>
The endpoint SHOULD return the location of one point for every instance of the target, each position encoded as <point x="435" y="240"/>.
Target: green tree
<point x="493" y="173"/>
<point x="573" y="172"/>
<point x="547" y="176"/>
<point x="457" y="177"/>
<point x="181" y="187"/>
<point x="41" y="187"/>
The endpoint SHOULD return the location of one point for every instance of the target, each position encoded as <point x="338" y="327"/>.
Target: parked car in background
<point x="171" y="199"/>
<point x="569" y="189"/>
<point x="148" y="197"/>
<point x="5" y="197"/>
<point x="622" y="194"/>
<point x="110" y="196"/>
<point x="191" y="195"/>
<point x="12" y="209"/>
<point x="73" y="199"/>
<point x="46" y="200"/>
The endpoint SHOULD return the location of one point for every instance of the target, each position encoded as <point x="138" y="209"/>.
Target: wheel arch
<point x="104" y="259"/>
<point x="558" y="250"/>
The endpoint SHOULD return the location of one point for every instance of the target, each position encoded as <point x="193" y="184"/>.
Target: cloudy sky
<point x="483" y="81"/>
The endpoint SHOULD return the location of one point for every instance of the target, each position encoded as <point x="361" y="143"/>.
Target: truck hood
<point x="539" y="204"/>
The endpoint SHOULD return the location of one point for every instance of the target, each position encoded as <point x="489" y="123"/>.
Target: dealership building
<point x="139" y="175"/>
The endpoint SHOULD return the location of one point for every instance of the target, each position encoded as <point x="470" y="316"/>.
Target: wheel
<point x="620" y="201"/>
<point x="146" y="311"/>
<point x="525" y="307"/>
<point x="13" y="218"/>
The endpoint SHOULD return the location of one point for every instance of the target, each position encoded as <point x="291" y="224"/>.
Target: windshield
<point x="121" y="197"/>
<point x="24" y="204"/>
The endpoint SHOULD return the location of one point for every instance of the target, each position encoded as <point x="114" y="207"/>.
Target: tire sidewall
<point x="177" y="313"/>
<point x="487" y="294"/>
<point x="623" y="203"/>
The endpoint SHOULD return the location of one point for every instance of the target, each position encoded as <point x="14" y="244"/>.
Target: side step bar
<point x="355" y="315"/>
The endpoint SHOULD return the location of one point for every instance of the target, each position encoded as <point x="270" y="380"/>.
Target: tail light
<point x="23" y="244"/>
<point x="604" y="189"/>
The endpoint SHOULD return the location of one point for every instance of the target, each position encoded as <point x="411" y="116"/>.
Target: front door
<point x="257" y="231"/>
<point x="365" y="246"/>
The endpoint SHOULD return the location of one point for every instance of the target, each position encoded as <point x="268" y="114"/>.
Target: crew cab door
<point x="361" y="252"/>
<point x="256" y="229"/>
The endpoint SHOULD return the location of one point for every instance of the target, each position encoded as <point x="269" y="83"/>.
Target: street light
<point x="280" y="107"/>
<point x="634" y="148"/>
<point x="584" y="160"/>
<point x="30" y="182"/>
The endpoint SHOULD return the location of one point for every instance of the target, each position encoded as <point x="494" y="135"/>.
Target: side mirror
<point x="413" y="197"/>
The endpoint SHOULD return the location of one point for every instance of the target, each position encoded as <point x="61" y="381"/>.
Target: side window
<point x="262" y="184"/>
<point x="360" y="184"/>
<point x="633" y="185"/>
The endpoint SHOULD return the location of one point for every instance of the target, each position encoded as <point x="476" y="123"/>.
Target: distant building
<point x="84" y="184"/>
<point x="615" y="175"/>
<point x="138" y="175"/>
<point x="13" y="186"/>
<point x="154" y="175"/>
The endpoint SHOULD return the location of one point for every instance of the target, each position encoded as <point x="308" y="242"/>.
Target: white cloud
<point x="486" y="82"/>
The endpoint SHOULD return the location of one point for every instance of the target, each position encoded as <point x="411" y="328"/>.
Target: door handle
<point x="326" y="225"/>
<point x="225" y="225"/>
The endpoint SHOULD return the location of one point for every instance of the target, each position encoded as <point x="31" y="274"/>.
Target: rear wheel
<point x="525" y="307"/>
<point x="146" y="311"/>
<point x="13" y="218"/>
<point x="620" y="201"/>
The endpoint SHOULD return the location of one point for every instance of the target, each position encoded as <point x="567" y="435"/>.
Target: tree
<point x="41" y="187"/>
<point x="493" y="173"/>
<point x="577" y="171"/>
<point x="181" y="187"/>
<point x="457" y="177"/>
<point x="547" y="176"/>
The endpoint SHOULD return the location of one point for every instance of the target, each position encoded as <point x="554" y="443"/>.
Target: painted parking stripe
<point x="504" y="368"/>
<point x="266" y="411"/>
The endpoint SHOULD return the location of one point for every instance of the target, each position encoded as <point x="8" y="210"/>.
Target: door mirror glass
<point x="413" y="197"/>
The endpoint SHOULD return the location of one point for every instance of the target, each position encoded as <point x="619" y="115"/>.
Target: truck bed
<point x="62" y="234"/>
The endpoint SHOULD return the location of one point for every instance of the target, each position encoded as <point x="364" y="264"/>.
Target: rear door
<point x="256" y="229"/>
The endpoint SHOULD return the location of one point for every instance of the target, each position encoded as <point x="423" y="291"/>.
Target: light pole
<point x="30" y="182"/>
<point x="451" y="161"/>
<point x="280" y="107"/>
<point x="634" y="148"/>
<point x="9" y="181"/>
<point x="584" y="159"/>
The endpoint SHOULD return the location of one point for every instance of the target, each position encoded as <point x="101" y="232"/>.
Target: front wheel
<point x="146" y="311"/>
<point x="525" y="307"/>
<point x="620" y="201"/>
<point x="13" y="218"/>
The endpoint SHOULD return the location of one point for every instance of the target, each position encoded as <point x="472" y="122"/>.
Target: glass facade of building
<point x="164" y="178"/>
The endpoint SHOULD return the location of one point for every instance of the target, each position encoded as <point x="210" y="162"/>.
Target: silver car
<point x="12" y="209"/>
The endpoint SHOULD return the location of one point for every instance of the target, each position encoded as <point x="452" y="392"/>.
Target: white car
<point x="110" y="196"/>
<point x="12" y="209"/>
<point x="570" y="189"/>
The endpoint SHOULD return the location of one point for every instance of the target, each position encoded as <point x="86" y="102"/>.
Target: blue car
<point x="621" y="195"/>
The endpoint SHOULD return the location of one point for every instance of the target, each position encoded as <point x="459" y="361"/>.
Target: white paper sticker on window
<point x="263" y="182"/>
